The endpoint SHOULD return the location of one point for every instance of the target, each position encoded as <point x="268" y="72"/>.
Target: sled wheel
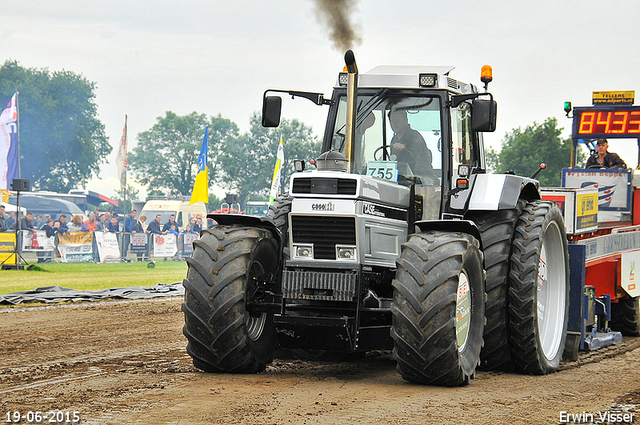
<point x="539" y="289"/>
<point x="222" y="275"/>
<point x="625" y="315"/>
<point x="438" y="308"/>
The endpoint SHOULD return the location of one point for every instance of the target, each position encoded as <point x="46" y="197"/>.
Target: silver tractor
<point x="398" y="240"/>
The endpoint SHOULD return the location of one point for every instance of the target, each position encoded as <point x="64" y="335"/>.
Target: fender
<point x="464" y="226"/>
<point x="248" y="221"/>
<point x="493" y="192"/>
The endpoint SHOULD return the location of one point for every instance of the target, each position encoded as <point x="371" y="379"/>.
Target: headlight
<point x="428" y="80"/>
<point x="302" y="251"/>
<point x="346" y="252"/>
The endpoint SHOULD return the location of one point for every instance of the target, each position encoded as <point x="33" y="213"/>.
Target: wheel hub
<point x="463" y="311"/>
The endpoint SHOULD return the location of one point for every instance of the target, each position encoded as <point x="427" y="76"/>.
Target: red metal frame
<point x="604" y="275"/>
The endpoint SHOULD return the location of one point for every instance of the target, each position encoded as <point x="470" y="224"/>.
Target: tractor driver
<point x="408" y="145"/>
<point x="603" y="158"/>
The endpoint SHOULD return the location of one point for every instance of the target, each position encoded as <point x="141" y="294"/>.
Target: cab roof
<point x="393" y="76"/>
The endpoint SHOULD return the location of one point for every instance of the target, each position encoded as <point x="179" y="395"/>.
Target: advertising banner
<point x="7" y="247"/>
<point x="139" y="243"/>
<point x="187" y="243"/>
<point x="164" y="245"/>
<point x="76" y="247"/>
<point x="108" y="247"/>
<point x="629" y="282"/>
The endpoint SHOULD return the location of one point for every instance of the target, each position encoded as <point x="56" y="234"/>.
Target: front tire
<point x="496" y="230"/>
<point x="223" y="334"/>
<point x="539" y="289"/>
<point x="438" y="308"/>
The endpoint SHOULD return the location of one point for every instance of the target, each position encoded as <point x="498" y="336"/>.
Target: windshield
<point x="397" y="137"/>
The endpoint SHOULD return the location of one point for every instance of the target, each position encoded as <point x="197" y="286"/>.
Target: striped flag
<point x="277" y="173"/>
<point x="121" y="158"/>
<point x="201" y="186"/>
<point x="9" y="143"/>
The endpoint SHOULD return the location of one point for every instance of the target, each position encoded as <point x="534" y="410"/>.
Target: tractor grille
<point x="324" y="233"/>
<point x="303" y="285"/>
<point x="324" y="186"/>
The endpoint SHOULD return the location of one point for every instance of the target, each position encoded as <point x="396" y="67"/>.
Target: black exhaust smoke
<point x="336" y="15"/>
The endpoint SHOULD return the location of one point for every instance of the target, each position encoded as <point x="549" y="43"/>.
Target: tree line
<point x="63" y="143"/>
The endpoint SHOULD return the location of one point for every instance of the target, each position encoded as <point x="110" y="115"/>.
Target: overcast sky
<point x="215" y="57"/>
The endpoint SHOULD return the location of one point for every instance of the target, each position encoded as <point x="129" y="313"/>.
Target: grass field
<point x="89" y="276"/>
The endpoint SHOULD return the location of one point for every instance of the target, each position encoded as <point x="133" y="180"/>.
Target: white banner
<point x="37" y="241"/>
<point x="164" y="245"/>
<point x="614" y="193"/>
<point x="108" y="248"/>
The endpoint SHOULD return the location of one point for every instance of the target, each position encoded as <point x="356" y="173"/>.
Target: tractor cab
<point x="415" y="126"/>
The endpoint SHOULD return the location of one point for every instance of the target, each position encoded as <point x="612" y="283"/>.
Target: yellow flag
<point x="201" y="186"/>
<point x="277" y="173"/>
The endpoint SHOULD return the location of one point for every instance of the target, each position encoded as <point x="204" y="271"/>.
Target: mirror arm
<point x="459" y="98"/>
<point x="317" y="98"/>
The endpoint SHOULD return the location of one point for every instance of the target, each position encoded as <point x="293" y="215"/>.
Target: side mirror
<point x="271" y="108"/>
<point x="483" y="115"/>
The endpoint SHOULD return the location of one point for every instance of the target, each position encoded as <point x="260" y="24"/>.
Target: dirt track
<point x="125" y="362"/>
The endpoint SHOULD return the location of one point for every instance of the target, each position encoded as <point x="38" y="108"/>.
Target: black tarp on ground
<point x="56" y="294"/>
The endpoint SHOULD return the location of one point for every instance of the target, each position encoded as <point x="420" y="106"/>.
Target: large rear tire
<point x="438" y="308"/>
<point x="625" y="316"/>
<point x="496" y="230"/>
<point x="223" y="335"/>
<point x="539" y="289"/>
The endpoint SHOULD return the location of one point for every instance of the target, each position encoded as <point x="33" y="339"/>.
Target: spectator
<point x="168" y="224"/>
<point x="44" y="221"/>
<point x="25" y="222"/>
<point x="11" y="219"/>
<point x="63" y="224"/>
<point x="91" y="223"/>
<point x="198" y="226"/>
<point x="101" y="225"/>
<point x="188" y="229"/>
<point x="173" y="229"/>
<point x="56" y="228"/>
<point x="49" y="227"/>
<point x="3" y="220"/>
<point x="119" y="221"/>
<point x="76" y="224"/>
<point x="154" y="229"/>
<point x="154" y="226"/>
<point x="112" y="226"/>
<point x="141" y="225"/>
<point x="37" y="221"/>
<point x="130" y="222"/>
